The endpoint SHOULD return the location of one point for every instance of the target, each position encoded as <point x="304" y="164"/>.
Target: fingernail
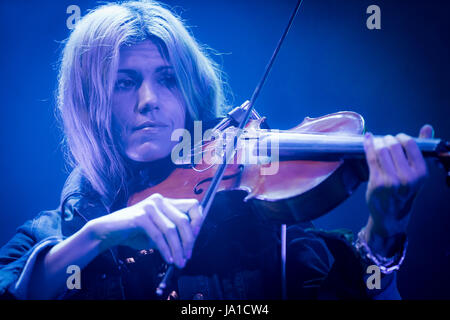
<point x="170" y="260"/>
<point x="431" y="129"/>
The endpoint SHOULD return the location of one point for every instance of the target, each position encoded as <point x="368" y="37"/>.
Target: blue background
<point x="398" y="78"/>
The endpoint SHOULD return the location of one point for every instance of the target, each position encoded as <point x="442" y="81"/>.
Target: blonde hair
<point x="87" y="77"/>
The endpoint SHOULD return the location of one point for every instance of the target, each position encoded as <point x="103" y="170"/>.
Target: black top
<point x="236" y="256"/>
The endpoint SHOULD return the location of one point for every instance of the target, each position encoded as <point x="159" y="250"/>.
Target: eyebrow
<point x="164" y="68"/>
<point x="133" y="72"/>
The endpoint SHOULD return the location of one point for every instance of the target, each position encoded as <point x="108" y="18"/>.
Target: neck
<point x="145" y="174"/>
<point x="322" y="147"/>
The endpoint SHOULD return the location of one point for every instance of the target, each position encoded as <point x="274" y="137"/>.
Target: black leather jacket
<point x="236" y="257"/>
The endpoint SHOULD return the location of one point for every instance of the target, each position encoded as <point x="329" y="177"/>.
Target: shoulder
<point x="45" y="224"/>
<point x="79" y="203"/>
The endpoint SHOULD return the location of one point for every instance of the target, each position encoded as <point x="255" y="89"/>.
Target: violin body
<point x="301" y="190"/>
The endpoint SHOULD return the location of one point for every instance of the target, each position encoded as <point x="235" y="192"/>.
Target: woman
<point x="130" y="75"/>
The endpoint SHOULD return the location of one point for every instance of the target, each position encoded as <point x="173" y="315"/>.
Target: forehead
<point x="144" y="54"/>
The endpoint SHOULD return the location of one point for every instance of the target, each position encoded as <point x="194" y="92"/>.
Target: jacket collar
<point x="79" y="197"/>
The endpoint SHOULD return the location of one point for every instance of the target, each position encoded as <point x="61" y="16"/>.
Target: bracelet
<point x="386" y="265"/>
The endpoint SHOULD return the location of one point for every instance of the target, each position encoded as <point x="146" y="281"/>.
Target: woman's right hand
<point x="169" y="225"/>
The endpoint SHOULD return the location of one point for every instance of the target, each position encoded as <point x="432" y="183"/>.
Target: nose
<point x="148" y="98"/>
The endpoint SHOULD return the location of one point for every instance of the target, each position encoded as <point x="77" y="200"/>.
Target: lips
<point x="148" y="125"/>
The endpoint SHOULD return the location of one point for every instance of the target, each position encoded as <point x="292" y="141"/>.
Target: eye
<point x="125" y="84"/>
<point x="168" y="80"/>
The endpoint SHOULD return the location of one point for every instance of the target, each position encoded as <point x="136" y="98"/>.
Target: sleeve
<point x="308" y="263"/>
<point x="18" y="255"/>
<point x="347" y="278"/>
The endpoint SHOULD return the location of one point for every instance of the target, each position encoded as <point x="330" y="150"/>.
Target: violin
<point x="318" y="167"/>
<point x="318" y="164"/>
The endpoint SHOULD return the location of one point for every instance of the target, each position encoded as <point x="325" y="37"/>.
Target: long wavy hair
<point x="87" y="75"/>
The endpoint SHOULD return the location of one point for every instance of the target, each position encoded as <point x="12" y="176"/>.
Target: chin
<point x="148" y="152"/>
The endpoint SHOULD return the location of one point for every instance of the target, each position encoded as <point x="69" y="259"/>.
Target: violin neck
<point x="325" y="147"/>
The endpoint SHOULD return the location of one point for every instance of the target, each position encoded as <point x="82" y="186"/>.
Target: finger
<point x="414" y="155"/>
<point x="371" y="156"/>
<point x="426" y="131"/>
<point x="194" y="210"/>
<point x="169" y="230"/>
<point x="183" y="205"/>
<point x="184" y="228"/>
<point x="385" y="161"/>
<point x="196" y="215"/>
<point x="399" y="159"/>
<point x="158" y="238"/>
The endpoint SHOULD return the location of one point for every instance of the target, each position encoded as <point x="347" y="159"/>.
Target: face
<point x="147" y="103"/>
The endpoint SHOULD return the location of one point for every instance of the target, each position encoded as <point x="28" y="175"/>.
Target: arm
<point x="33" y="237"/>
<point x="49" y="274"/>
<point x="397" y="171"/>
<point x="155" y="222"/>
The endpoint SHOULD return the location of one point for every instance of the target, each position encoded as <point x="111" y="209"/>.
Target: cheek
<point x="178" y="113"/>
<point x="122" y="116"/>
<point x="122" y="108"/>
<point x="180" y="120"/>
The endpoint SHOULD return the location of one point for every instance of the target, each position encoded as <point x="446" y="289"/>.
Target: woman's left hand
<point x="397" y="171"/>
